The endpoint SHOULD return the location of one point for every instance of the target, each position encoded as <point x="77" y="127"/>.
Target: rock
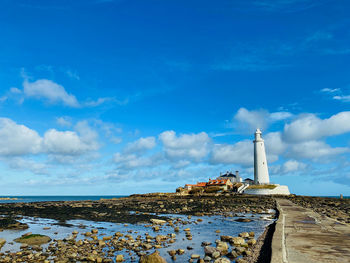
<point x="209" y="250"/>
<point x="157" y="221"/>
<point x="33" y="239"/>
<point x="119" y="258"/>
<point x="207" y="258"/>
<point x="205" y="243"/>
<point x="240" y="250"/>
<point x="222" y="247"/>
<point x="226" y="238"/>
<point x="153" y="258"/>
<point x="237" y="241"/>
<point x="251" y="234"/>
<point x="2" y="242"/>
<point x="195" y="256"/>
<point x="244" y="220"/>
<point x="180" y="251"/>
<point x="241" y="260"/>
<point x="244" y="234"/>
<point x="172" y="252"/>
<point x="222" y="260"/>
<point x="251" y="242"/>
<point x="216" y="254"/>
<point x="232" y="254"/>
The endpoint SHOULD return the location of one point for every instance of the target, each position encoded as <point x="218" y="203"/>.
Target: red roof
<point x="201" y="184"/>
<point x="217" y="182"/>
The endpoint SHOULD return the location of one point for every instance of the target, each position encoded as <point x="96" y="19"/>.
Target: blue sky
<point x="120" y="97"/>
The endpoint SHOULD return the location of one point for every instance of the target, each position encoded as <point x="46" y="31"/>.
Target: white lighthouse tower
<point x="261" y="172"/>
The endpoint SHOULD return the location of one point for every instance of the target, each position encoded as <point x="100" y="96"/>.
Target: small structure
<point x="189" y="187"/>
<point x="225" y="184"/>
<point x="234" y="178"/>
<point x="248" y="181"/>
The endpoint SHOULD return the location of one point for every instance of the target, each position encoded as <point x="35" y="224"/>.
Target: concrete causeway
<point x="302" y="235"/>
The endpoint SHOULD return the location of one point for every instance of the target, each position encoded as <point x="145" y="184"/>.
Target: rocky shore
<point x="338" y="209"/>
<point x="147" y="209"/>
<point x="137" y="208"/>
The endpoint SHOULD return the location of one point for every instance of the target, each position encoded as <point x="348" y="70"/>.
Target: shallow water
<point x="43" y="198"/>
<point x="201" y="231"/>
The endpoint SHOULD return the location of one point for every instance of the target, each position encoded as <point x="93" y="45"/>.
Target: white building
<point x="234" y="177"/>
<point x="261" y="184"/>
<point x="261" y="172"/>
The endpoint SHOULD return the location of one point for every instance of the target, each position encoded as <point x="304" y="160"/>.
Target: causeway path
<point x="302" y="235"/>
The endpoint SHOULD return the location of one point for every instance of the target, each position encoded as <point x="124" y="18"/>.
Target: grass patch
<point x="31" y="236"/>
<point x="262" y="186"/>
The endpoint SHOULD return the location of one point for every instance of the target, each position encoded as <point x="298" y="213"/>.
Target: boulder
<point x="222" y="260"/>
<point x="2" y="242"/>
<point x="152" y="258"/>
<point x="222" y="247"/>
<point x="244" y="234"/>
<point x="244" y="220"/>
<point x="33" y="239"/>
<point x="237" y="241"/>
<point x="119" y="258"/>
<point x="209" y="250"/>
<point x="157" y="221"/>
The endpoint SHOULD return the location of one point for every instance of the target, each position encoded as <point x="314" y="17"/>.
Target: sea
<point x="43" y="198"/>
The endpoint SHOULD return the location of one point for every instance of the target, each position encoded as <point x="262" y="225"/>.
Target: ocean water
<point x="337" y="197"/>
<point x="57" y="198"/>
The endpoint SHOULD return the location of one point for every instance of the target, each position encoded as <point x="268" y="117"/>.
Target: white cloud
<point x="19" y="140"/>
<point x="15" y="90"/>
<point x="293" y="166"/>
<point x="141" y="145"/>
<point x="16" y="139"/>
<point x="314" y="150"/>
<point x="248" y="121"/>
<point x="49" y="90"/>
<point x="239" y="153"/>
<point x="328" y="90"/>
<point x="73" y="74"/>
<point x="186" y="146"/>
<point x="98" y="102"/>
<point x="309" y="127"/>
<point x="64" y="121"/>
<point x="344" y="98"/>
<point x="274" y="143"/>
<point x="64" y="142"/>
<point x="115" y="139"/>
<point x="132" y="161"/>
<point x="20" y="163"/>
<point x="87" y="134"/>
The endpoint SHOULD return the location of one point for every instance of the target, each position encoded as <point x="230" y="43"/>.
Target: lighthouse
<point x="261" y="172"/>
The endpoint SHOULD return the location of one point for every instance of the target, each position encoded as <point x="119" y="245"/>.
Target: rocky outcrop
<point x="153" y="258"/>
<point x="33" y="239"/>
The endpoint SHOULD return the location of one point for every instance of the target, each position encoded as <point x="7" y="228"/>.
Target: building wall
<point x="279" y="190"/>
